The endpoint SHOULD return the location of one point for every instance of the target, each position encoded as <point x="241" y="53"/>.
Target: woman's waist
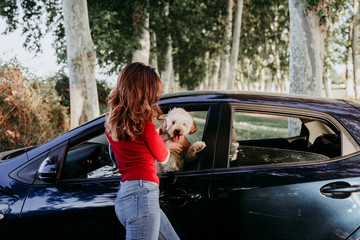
<point x="138" y="173"/>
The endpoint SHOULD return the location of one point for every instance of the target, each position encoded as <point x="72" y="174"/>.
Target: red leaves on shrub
<point x="30" y="112"/>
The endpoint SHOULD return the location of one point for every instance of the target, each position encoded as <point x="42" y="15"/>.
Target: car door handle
<point x="178" y="198"/>
<point x="350" y="189"/>
<point x="188" y="196"/>
<point x="182" y="196"/>
<point x="339" y="190"/>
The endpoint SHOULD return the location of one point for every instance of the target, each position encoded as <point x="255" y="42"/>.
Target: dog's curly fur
<point x="175" y="127"/>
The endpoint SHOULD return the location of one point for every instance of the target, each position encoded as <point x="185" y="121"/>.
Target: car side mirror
<point x="48" y="169"/>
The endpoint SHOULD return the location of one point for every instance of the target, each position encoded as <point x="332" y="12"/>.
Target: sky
<point x="42" y="65"/>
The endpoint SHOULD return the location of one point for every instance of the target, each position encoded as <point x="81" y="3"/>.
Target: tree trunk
<point x="205" y="82"/>
<point x="278" y="67"/>
<point x="84" y="102"/>
<point x="166" y="75"/>
<point x="143" y="54"/>
<point x="276" y="51"/>
<point x="307" y="39"/>
<point x="226" y="48"/>
<point x="349" y="82"/>
<point x="354" y="44"/>
<point x="235" y="45"/>
<point x="153" y="53"/>
<point x="214" y="68"/>
<point x="327" y="83"/>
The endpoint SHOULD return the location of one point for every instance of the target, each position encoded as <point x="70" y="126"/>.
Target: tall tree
<point x="354" y="46"/>
<point x="166" y="75"/>
<point x="308" y="27"/>
<point x="142" y="54"/>
<point x="84" y="102"/>
<point x="235" y="45"/>
<point x="225" y="61"/>
<point x="339" y="38"/>
<point x="264" y="45"/>
<point x="307" y="39"/>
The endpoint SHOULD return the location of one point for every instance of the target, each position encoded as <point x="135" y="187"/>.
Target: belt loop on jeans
<point x="141" y="183"/>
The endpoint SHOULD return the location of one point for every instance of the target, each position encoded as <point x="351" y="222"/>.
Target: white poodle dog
<point x="175" y="127"/>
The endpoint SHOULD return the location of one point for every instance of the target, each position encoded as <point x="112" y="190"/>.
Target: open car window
<point x="189" y="162"/>
<point x="90" y="159"/>
<point x="260" y="139"/>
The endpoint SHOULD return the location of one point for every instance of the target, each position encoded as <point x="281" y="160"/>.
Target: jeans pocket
<point x="126" y="208"/>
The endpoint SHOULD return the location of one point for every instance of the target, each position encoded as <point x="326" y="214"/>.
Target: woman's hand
<point x="174" y="147"/>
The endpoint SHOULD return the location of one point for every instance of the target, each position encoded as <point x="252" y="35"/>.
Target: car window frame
<point x="206" y="161"/>
<point x="222" y="156"/>
<point x="212" y="113"/>
<point x="84" y="139"/>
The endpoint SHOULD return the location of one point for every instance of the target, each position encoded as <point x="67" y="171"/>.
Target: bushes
<point x="30" y="109"/>
<point x="61" y="81"/>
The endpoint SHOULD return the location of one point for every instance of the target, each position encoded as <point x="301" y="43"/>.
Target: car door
<point x="184" y="195"/>
<point x="303" y="194"/>
<point x="80" y="202"/>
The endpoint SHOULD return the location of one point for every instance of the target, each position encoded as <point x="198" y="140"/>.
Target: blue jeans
<point x="138" y="209"/>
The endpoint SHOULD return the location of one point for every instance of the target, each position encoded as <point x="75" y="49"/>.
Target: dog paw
<point x="198" y="146"/>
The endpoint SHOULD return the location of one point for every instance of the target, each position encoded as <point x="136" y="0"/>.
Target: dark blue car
<point x="274" y="167"/>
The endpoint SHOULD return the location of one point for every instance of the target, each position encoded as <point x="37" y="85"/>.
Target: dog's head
<point x="178" y="124"/>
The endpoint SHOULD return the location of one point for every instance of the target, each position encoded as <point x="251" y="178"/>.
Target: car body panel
<point x="286" y="202"/>
<point x="12" y="194"/>
<point x="73" y="205"/>
<point x="184" y="199"/>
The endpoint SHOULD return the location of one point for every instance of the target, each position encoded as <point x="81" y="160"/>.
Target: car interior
<point x="94" y="158"/>
<point x="90" y="160"/>
<point x="269" y="139"/>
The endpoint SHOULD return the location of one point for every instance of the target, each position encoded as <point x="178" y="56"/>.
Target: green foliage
<point x="115" y="29"/>
<point x="61" y="85"/>
<point x="326" y="10"/>
<point x="30" y="111"/>
<point x="196" y="27"/>
<point x="260" y="30"/>
<point x="34" y="15"/>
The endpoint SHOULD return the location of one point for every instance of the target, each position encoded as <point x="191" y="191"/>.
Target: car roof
<point x="274" y="99"/>
<point x="231" y="94"/>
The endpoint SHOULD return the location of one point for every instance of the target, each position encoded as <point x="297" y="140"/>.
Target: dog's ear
<point x="193" y="128"/>
<point x="162" y="127"/>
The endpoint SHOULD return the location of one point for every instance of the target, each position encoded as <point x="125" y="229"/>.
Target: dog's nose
<point x="177" y="131"/>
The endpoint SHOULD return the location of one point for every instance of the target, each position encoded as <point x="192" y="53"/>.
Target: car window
<point x="189" y="161"/>
<point x="90" y="159"/>
<point x="259" y="139"/>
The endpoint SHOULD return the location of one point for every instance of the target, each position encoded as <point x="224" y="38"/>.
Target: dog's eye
<point x="184" y="124"/>
<point x="173" y="122"/>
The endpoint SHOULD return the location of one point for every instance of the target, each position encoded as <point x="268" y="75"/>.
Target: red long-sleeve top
<point x="137" y="157"/>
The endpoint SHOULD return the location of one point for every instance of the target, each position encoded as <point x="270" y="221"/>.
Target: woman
<point x="136" y="144"/>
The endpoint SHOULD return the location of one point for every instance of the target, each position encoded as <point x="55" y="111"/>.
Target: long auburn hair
<point x="133" y="101"/>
